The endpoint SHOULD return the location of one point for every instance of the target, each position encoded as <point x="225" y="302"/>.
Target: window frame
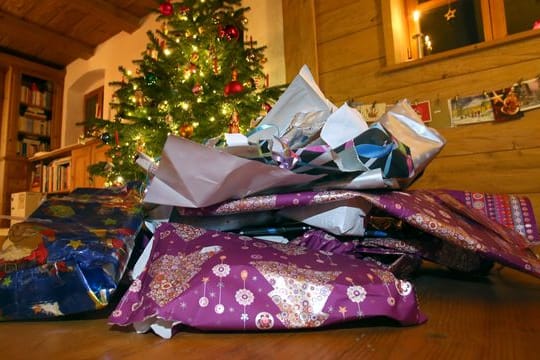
<point x="398" y="27"/>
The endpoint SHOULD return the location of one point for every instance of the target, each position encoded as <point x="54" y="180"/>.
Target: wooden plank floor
<point x="494" y="317"/>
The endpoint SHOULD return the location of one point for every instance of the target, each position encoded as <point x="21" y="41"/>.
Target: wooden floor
<point x="494" y="317"/>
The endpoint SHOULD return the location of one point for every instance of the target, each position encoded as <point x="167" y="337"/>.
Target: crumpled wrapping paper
<point x="347" y="154"/>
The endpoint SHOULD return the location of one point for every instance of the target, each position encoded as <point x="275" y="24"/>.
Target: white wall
<point x="265" y="25"/>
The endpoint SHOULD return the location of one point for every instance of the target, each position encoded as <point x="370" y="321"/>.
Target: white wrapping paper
<point x="192" y="175"/>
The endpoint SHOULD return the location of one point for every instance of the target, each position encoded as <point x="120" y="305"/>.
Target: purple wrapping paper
<point x="212" y="280"/>
<point x="457" y="229"/>
<point x="456" y="235"/>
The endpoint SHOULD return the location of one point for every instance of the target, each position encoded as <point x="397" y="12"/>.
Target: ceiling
<point x="57" y="32"/>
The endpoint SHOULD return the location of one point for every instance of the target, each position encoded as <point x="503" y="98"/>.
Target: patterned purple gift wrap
<point x="212" y="280"/>
<point x="458" y="229"/>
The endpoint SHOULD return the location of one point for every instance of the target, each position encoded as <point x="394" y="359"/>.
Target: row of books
<point x="34" y="126"/>
<point x="52" y="177"/>
<point x="28" y="146"/>
<point x="31" y="95"/>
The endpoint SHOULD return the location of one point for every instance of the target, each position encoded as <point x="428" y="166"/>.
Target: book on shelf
<point x="35" y="182"/>
<point x="31" y="94"/>
<point x="56" y="176"/>
<point x="34" y="126"/>
<point x="29" y="146"/>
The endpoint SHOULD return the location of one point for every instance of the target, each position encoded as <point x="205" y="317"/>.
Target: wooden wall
<point x="347" y="55"/>
<point x="343" y="43"/>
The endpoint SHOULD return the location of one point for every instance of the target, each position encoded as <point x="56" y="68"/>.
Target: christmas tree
<point x="198" y="78"/>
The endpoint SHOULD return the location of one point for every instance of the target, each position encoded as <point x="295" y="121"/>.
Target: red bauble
<point x="232" y="32"/>
<point x="267" y="107"/>
<point x="233" y="88"/>
<point x="197" y="89"/>
<point x="166" y="8"/>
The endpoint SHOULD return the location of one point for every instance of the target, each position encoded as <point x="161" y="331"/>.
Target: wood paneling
<point x="345" y="19"/>
<point x="299" y="19"/>
<point x="57" y="32"/>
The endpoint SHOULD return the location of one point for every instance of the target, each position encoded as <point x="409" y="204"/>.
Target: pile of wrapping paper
<point x="305" y="222"/>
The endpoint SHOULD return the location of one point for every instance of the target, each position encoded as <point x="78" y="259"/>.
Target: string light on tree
<point x="193" y="79"/>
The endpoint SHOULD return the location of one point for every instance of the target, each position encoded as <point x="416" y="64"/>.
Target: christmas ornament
<point x="139" y="98"/>
<point x="251" y="56"/>
<point x="234" y="124"/>
<point x="166" y="8"/>
<point x="194" y="57"/>
<point x="151" y="79"/>
<point x="221" y="32"/>
<point x="267" y="107"/>
<point x="197" y="89"/>
<point x="234" y="87"/>
<point x="106" y="138"/>
<point x="186" y="131"/>
<point x="232" y="32"/>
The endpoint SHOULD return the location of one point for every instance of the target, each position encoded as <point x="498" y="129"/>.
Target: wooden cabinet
<point x="31" y="121"/>
<point x="83" y="157"/>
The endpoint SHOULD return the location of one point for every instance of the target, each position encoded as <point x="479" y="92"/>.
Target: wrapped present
<point x="70" y="255"/>
<point x="217" y="281"/>
<point x="458" y="229"/>
<point x="439" y="225"/>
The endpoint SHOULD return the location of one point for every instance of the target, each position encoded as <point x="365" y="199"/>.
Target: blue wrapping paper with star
<point x="70" y="255"/>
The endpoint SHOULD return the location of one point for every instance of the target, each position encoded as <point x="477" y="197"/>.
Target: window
<point x="93" y="106"/>
<point x="419" y="28"/>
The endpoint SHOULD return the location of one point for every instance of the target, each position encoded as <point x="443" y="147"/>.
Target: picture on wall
<point x="423" y="109"/>
<point x="528" y="93"/>
<point x="371" y="112"/>
<point x="506" y="105"/>
<point x="470" y="109"/>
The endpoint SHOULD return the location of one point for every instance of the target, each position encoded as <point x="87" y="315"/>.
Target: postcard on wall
<point x="470" y="109"/>
<point x="371" y="112"/>
<point x="506" y="104"/>
<point x="528" y="93"/>
<point x="423" y="109"/>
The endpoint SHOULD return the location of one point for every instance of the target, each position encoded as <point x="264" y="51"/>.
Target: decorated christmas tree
<point x="198" y="78"/>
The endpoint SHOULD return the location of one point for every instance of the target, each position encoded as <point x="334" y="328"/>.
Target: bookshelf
<point x="31" y="121"/>
<point x="35" y="116"/>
